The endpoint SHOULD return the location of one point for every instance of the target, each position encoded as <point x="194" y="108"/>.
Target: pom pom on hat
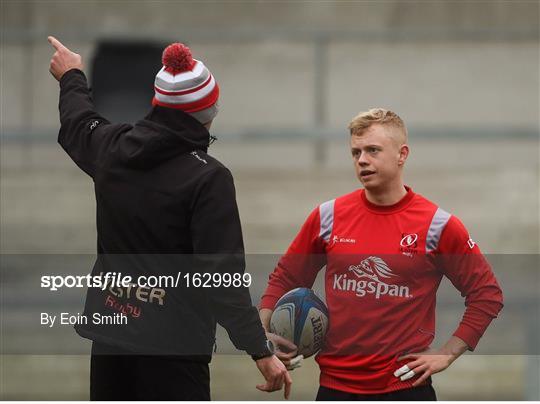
<point x="195" y="93"/>
<point x="177" y="58"/>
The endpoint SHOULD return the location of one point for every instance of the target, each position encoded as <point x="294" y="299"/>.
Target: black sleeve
<point x="83" y="132"/>
<point x="218" y="247"/>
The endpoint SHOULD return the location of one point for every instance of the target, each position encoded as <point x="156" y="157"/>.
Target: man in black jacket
<point x="164" y="208"/>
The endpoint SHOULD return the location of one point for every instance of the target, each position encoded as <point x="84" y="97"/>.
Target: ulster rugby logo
<point x="409" y="244"/>
<point x="409" y="240"/>
<point x="377" y="273"/>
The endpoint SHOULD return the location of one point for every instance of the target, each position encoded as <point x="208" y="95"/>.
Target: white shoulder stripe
<point x="438" y="223"/>
<point x="326" y="212"/>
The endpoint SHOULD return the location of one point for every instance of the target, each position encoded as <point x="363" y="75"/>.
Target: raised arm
<point x="83" y="131"/>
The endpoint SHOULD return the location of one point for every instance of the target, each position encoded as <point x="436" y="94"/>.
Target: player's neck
<point x="387" y="196"/>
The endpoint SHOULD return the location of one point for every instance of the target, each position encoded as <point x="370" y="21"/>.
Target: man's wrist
<point x="70" y="71"/>
<point x="266" y="351"/>
<point x="454" y="348"/>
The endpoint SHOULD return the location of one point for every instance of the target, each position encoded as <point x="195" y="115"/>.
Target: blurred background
<point x="464" y="76"/>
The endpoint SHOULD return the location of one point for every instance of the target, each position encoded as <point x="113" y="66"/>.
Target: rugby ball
<point x="302" y="318"/>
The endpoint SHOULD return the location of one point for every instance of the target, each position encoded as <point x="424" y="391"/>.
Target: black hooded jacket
<point x="164" y="207"/>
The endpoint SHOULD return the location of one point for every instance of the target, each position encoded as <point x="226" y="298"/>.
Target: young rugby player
<point x="386" y="249"/>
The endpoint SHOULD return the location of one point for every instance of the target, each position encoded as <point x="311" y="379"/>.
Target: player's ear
<point x="403" y="154"/>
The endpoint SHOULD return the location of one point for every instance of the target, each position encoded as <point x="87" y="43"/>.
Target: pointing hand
<point x="63" y="59"/>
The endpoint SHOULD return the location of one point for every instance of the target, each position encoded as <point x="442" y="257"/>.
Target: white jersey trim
<point x="326" y="212"/>
<point x="438" y="223"/>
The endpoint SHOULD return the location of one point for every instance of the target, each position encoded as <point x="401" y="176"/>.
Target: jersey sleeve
<point x="299" y="266"/>
<point x="469" y="271"/>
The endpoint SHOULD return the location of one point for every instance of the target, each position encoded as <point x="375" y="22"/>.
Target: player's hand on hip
<point x="423" y="365"/>
<point x="63" y="59"/>
<point x="286" y="351"/>
<point x="275" y="374"/>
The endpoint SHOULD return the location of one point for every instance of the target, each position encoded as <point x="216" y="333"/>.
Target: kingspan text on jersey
<point x="363" y="287"/>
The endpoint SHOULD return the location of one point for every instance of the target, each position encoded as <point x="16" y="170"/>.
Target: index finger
<point x="55" y="43"/>
<point x="288" y="385"/>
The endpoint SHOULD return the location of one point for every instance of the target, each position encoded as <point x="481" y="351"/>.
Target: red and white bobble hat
<point x="185" y="83"/>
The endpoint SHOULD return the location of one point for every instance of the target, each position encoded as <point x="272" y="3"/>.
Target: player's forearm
<point x="265" y="315"/>
<point x="454" y="348"/>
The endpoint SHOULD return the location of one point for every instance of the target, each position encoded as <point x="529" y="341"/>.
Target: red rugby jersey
<point x="383" y="267"/>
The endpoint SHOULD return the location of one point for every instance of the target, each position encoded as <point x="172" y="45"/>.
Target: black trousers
<point x="117" y="375"/>
<point x="422" y="393"/>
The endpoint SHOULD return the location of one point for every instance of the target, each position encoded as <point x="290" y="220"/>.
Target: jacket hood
<point x="163" y="134"/>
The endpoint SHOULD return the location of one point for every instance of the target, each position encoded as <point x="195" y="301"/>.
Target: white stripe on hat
<point x="185" y="98"/>
<point x="182" y="81"/>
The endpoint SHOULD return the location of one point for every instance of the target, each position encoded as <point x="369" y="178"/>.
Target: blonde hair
<point x="364" y="120"/>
